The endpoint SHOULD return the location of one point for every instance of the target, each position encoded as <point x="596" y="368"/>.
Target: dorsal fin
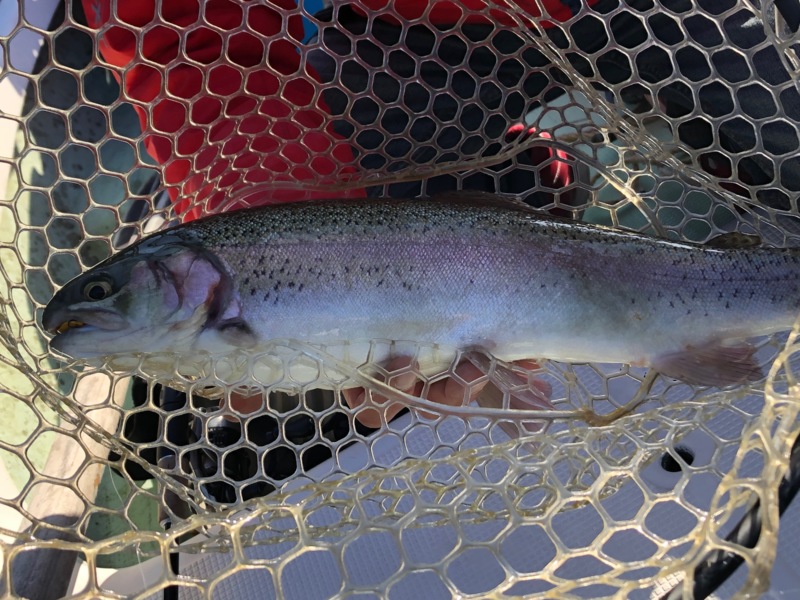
<point x="734" y="240"/>
<point x="481" y="198"/>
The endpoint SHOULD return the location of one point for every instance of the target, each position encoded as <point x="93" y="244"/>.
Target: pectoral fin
<point x="237" y="332"/>
<point x="481" y="198"/>
<point x="717" y="364"/>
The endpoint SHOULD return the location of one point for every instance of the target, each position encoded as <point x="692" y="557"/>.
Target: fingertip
<point x="477" y="388"/>
<point x="469" y="372"/>
<point x="400" y="362"/>
<point x="369" y="417"/>
<point x="437" y="392"/>
<point x="528" y="364"/>
<point x="456" y="394"/>
<point x="404" y="382"/>
<point x="354" y="397"/>
<point x="544" y="387"/>
<point x="244" y="403"/>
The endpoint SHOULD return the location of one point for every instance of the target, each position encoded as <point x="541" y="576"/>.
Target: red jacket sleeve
<point x="234" y="110"/>
<point x="449" y="12"/>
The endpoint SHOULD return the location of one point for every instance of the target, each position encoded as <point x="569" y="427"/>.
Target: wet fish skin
<point x="474" y="272"/>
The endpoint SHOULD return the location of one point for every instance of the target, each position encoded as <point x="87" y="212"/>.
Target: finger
<point x="356" y="398"/>
<point x="539" y="399"/>
<point x="402" y="374"/>
<point x="544" y="387"/>
<point x="453" y="391"/>
<point x="242" y="403"/>
<point x="541" y="385"/>
<point x="246" y="403"/>
<point x="458" y="393"/>
<point x="371" y="416"/>
<point x="528" y="364"/>
<point x="405" y="381"/>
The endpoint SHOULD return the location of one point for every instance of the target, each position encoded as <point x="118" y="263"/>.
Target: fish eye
<point x="97" y="290"/>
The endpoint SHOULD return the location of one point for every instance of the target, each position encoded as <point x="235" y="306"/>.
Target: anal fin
<point x="719" y="363"/>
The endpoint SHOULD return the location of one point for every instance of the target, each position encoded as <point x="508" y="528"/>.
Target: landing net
<point x="674" y="119"/>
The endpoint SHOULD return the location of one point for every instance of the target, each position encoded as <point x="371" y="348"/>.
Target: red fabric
<point x="450" y="12"/>
<point x="261" y="128"/>
<point x="248" y="127"/>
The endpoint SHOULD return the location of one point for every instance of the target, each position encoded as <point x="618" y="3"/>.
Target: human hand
<point x="468" y="384"/>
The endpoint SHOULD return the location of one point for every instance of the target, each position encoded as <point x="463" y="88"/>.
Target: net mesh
<point x="674" y="118"/>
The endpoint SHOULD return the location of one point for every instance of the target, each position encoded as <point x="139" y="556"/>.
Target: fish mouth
<point x="64" y="321"/>
<point x="72" y="324"/>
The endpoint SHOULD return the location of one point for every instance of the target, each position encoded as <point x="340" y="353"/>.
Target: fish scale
<point x="462" y="271"/>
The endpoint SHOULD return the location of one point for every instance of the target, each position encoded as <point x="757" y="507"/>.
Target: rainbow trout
<point x="463" y="271"/>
